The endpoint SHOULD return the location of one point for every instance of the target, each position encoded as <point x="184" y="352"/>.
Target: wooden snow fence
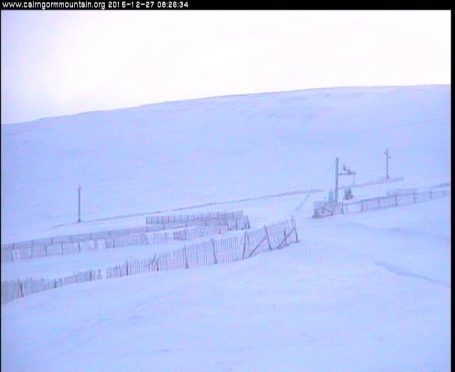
<point x="382" y="202"/>
<point x="13" y="289"/>
<point x="199" y="231"/>
<point x="67" y="243"/>
<point x="201" y="217"/>
<point x="251" y="243"/>
<point x="213" y="251"/>
<point x="214" y="223"/>
<point x="233" y="220"/>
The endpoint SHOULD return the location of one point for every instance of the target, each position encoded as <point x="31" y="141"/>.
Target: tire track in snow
<point x="399" y="271"/>
<point x="393" y="269"/>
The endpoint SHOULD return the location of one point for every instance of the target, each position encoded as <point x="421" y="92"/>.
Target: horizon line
<point x="224" y="96"/>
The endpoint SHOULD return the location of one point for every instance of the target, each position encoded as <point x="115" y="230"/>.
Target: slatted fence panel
<point x="203" y="253"/>
<point x="209" y="252"/>
<point x="228" y="250"/>
<point x="11" y="290"/>
<point x="406" y="199"/>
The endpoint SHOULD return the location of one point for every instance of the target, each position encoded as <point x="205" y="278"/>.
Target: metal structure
<point x="346" y="172"/>
<point x="79" y="204"/>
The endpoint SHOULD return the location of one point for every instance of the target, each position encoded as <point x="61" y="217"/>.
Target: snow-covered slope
<point x="362" y="292"/>
<point x="183" y="153"/>
<point x="366" y="292"/>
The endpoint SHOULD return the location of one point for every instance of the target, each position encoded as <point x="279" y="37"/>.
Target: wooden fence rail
<point x="325" y="210"/>
<point x="117" y="240"/>
<point x="194" y="217"/>
<point x="208" y="252"/>
<point x="214" y="251"/>
<point x="177" y="222"/>
<point x="10" y="290"/>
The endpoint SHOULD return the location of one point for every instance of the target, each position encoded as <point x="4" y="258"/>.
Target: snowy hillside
<point x="360" y="292"/>
<point x="367" y="292"/>
<point x="191" y="152"/>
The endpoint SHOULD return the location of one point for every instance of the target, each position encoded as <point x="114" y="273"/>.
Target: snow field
<point x="320" y="304"/>
<point x="360" y="292"/>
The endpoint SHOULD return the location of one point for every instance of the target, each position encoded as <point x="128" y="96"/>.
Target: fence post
<point x="431" y="194"/>
<point x="361" y="206"/>
<point x="295" y="228"/>
<point x="151" y="263"/>
<point x="186" y="258"/>
<point x="244" y="245"/>
<point x="214" y="250"/>
<point x="61" y="246"/>
<point x="396" y="200"/>
<point x="285" y="238"/>
<point x="414" y="197"/>
<point x="268" y="238"/>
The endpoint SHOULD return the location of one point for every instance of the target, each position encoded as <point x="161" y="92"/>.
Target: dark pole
<point x="79" y="204"/>
<point x="336" y="179"/>
<point x="387" y="157"/>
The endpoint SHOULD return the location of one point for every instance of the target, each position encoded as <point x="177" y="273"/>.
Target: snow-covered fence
<point x="19" y="288"/>
<point x="401" y="192"/>
<point x="201" y="217"/>
<point x="324" y="209"/>
<point x="178" y="221"/>
<point x="241" y="223"/>
<point x="117" y="238"/>
<point x="199" y="231"/>
<point x="213" y="251"/>
<point x="216" y="222"/>
<point x="58" y="240"/>
<point x="392" y="200"/>
<point x="27" y="252"/>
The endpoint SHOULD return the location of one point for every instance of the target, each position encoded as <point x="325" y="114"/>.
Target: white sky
<point x="62" y="62"/>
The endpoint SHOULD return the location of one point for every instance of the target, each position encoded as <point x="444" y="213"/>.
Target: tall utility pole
<point x="79" y="204"/>
<point x="387" y="157"/>
<point x="337" y="163"/>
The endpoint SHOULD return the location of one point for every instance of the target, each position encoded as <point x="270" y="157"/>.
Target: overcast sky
<point x="62" y="62"/>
